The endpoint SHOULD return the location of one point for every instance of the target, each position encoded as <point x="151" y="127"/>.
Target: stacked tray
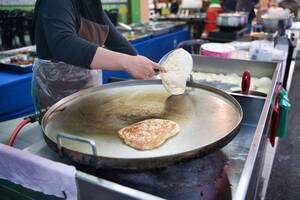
<point x="20" y="61"/>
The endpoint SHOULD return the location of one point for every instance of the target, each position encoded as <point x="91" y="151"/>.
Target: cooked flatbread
<point x="148" y="134"/>
<point x="179" y="66"/>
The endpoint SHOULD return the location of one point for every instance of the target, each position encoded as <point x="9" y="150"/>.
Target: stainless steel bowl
<point x="272" y="25"/>
<point x="232" y="21"/>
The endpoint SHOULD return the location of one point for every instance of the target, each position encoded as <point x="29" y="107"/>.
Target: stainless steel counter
<point x="236" y="152"/>
<point x="245" y="153"/>
<point x="249" y="181"/>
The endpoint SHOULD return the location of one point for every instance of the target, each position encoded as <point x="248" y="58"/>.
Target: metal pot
<point x="232" y="21"/>
<point x="272" y="25"/>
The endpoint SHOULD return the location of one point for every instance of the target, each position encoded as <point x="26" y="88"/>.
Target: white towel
<point x="37" y="173"/>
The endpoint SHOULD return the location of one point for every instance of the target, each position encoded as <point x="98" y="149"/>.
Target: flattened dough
<point x="179" y="65"/>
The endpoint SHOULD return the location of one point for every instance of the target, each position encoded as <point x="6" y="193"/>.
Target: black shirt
<point x="57" y="23"/>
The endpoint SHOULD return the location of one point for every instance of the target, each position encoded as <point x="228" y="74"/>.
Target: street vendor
<point x="69" y="36"/>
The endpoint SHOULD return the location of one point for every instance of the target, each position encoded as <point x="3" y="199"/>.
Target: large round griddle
<point x="209" y="118"/>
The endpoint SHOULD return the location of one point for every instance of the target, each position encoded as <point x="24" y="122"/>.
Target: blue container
<point x="15" y="94"/>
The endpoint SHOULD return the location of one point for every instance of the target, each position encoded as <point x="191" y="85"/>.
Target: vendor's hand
<point x="141" y="67"/>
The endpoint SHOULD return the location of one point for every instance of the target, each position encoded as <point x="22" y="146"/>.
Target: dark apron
<point x="54" y="80"/>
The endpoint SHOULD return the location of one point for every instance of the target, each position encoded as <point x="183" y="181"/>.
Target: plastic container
<point x="15" y="94"/>
<point x="217" y="50"/>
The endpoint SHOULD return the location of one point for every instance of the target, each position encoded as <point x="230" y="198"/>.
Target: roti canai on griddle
<point x="148" y="134"/>
<point x="179" y="66"/>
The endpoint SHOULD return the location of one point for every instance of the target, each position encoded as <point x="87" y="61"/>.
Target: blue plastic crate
<point x="15" y="94"/>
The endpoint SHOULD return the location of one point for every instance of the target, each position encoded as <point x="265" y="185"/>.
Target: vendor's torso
<point x="53" y="78"/>
<point x="90" y="10"/>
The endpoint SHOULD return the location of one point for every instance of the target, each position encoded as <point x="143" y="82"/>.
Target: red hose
<point x="16" y="131"/>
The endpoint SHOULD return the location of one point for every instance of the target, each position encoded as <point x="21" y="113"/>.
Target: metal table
<point x="236" y="153"/>
<point x="195" y="23"/>
<point x="238" y="164"/>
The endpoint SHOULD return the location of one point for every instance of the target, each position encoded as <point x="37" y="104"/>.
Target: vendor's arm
<point x="138" y="66"/>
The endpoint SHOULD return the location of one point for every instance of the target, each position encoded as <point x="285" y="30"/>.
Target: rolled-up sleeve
<point x="59" y="23"/>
